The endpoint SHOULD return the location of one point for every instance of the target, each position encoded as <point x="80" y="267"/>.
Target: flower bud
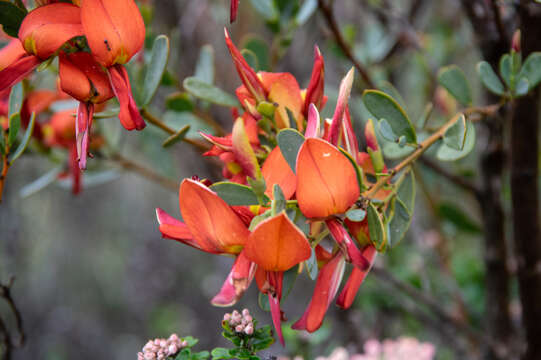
<point x="516" y="42"/>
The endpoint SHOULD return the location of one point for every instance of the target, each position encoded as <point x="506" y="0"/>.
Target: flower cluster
<point x="93" y="39"/>
<point x="161" y="349"/>
<point x="298" y="197"/>
<point x="240" y="322"/>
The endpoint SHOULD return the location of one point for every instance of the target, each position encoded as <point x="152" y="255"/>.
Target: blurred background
<point x="94" y="279"/>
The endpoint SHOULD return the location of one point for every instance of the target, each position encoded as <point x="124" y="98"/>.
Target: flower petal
<point x="276" y="244"/>
<point x="244" y="153"/>
<point x="347" y="295"/>
<point x="10" y="53"/>
<point x="347" y="244"/>
<point x="17" y="71"/>
<point x="213" y="224"/>
<point x="316" y="87"/>
<point x="129" y="114"/>
<point x="326" y="180"/>
<point x="276" y="170"/>
<point x="342" y="104"/>
<point x="327" y="283"/>
<point x="237" y="282"/>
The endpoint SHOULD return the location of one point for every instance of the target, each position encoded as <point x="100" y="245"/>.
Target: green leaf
<point x="307" y="9"/>
<point x="11" y="17"/>
<point x="220" y="353"/>
<point x="290" y="141"/>
<point x="446" y="153"/>
<point x="178" y="120"/>
<point x="531" y="69"/>
<point x="190" y="340"/>
<point x="457" y="217"/>
<point x="358" y="169"/>
<point x="505" y="68"/>
<point x="522" y="87"/>
<point x="376" y="228"/>
<point x="386" y="131"/>
<point x="260" y="49"/>
<point x="263" y="302"/>
<point x="202" y="355"/>
<point x="400" y="222"/>
<point x="251" y="58"/>
<point x="179" y="102"/>
<point x="156" y="68"/>
<point x="259" y="218"/>
<point x="311" y="265"/>
<point x="235" y="194"/>
<point x="204" y="70"/>
<point x="16" y="98"/>
<point x="406" y="191"/>
<point x="455" y="135"/>
<point x="266" y="9"/>
<point x="356" y="215"/>
<point x="452" y="78"/>
<point x="13" y="128"/>
<point x="208" y="92"/>
<point x="26" y="139"/>
<point x="279" y="202"/>
<point x="290" y="276"/>
<point x="262" y="344"/>
<point x="382" y="106"/>
<point x="179" y="136"/>
<point x="41" y="183"/>
<point x="489" y="78"/>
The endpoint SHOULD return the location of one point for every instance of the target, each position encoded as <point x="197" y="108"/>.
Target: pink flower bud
<point x="172" y="350"/>
<point x="239" y="328"/>
<point x="245" y="312"/>
<point x="227" y="317"/>
<point x="173" y="337"/>
<point x="516" y="43"/>
<point x="249" y="330"/>
<point x="248" y="318"/>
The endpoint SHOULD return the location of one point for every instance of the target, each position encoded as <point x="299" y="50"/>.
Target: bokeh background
<point x="94" y="279"/>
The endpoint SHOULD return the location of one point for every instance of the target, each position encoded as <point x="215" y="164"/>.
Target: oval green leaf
<point x="531" y="69"/>
<point x="290" y="141"/>
<point x="26" y="139"/>
<point x="455" y="135"/>
<point x="376" y="228"/>
<point x="156" y="68"/>
<point x="208" y="92"/>
<point x="452" y="78"/>
<point x="235" y="194"/>
<point x="446" y="153"/>
<point x="382" y="106"/>
<point x="489" y="78"/>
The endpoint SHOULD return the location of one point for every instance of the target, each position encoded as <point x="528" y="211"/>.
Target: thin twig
<point x="7" y="340"/>
<point x="199" y="145"/>
<point x="498" y="20"/>
<point x="422" y="298"/>
<point x="129" y="165"/>
<point x="328" y="14"/>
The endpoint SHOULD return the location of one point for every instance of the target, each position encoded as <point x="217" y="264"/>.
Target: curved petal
<point x="326" y="180"/>
<point x="347" y="295"/>
<point x="237" y="282"/>
<point x="213" y="224"/>
<point x="342" y="104"/>
<point x="174" y="229"/>
<point x="276" y="244"/>
<point x="114" y="29"/>
<point x="316" y="87"/>
<point x="45" y="29"/>
<point x="276" y="170"/>
<point x="327" y="283"/>
<point x="234" y="10"/>
<point x="129" y="114"/>
<point x="18" y="71"/>
<point x="284" y="90"/>
<point x="244" y="153"/>
<point x="10" y="53"/>
<point x="343" y="239"/>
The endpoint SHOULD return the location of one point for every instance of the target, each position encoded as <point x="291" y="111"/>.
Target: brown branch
<point x="498" y="20"/>
<point x="149" y="174"/>
<point x="7" y="340"/>
<point x="453" y="178"/>
<point x="328" y="14"/>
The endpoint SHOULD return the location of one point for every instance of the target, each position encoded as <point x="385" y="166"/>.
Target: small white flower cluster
<point x="161" y="349"/>
<point x="240" y="322"/>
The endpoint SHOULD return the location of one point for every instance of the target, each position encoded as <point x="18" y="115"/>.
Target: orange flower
<point x="276" y="245"/>
<point x="326" y="180"/>
<point x="42" y="32"/>
<point x="84" y="79"/>
<point x="115" y="32"/>
<point x="211" y="226"/>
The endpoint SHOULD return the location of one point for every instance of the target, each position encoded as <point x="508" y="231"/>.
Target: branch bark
<point x="525" y="191"/>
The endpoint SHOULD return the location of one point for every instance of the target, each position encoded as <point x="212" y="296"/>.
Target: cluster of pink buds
<point x="161" y="349"/>
<point x="240" y="322"/>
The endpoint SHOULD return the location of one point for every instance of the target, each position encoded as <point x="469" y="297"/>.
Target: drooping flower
<point x="212" y="226"/>
<point x="86" y="81"/>
<point x="115" y="32"/>
<point x="234" y="10"/>
<point x="276" y="245"/>
<point x="43" y="31"/>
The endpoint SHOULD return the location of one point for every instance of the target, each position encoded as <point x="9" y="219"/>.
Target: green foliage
<point x="382" y="106"/>
<point x="531" y="70"/>
<point x="11" y="17"/>
<point x="290" y="142"/>
<point x="208" y="92"/>
<point x="235" y="194"/>
<point x="155" y="69"/>
<point x="378" y="235"/>
<point x="246" y="346"/>
<point x="447" y="153"/>
<point x="25" y="141"/>
<point x="204" y="69"/>
<point x="453" y="79"/>
<point x="489" y="78"/>
<point x="260" y="49"/>
<point x="455" y="135"/>
<point x="179" y="101"/>
<point x="178" y="136"/>
<point x="457" y="217"/>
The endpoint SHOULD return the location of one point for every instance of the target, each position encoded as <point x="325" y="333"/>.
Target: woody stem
<point x="199" y="145"/>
